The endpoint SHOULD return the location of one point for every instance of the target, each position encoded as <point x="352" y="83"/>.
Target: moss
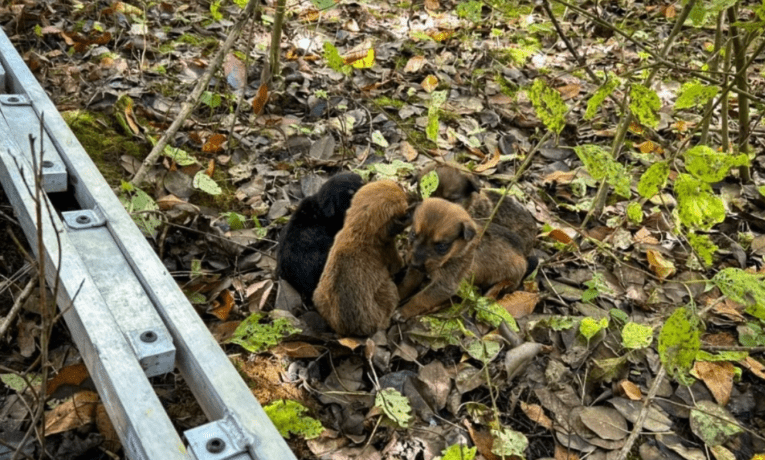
<point x="104" y="141"/>
<point x="225" y="201"/>
<point x="384" y="101"/>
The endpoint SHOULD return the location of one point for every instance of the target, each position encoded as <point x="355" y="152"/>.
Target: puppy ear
<point x="468" y="231"/>
<point x="473" y="185"/>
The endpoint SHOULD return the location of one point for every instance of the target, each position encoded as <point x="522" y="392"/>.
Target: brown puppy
<point x="356" y="294"/>
<point x="447" y="247"/>
<point x="464" y="189"/>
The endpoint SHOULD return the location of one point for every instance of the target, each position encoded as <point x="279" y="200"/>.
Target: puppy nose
<point x="418" y="260"/>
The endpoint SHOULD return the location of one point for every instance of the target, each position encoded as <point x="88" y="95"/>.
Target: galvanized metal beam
<point x="110" y="278"/>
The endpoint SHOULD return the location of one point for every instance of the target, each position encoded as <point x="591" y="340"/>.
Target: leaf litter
<point x="248" y="154"/>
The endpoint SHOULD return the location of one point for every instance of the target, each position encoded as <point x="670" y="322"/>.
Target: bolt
<point x="215" y="445"/>
<point x="82" y="219"/>
<point x="149" y="337"/>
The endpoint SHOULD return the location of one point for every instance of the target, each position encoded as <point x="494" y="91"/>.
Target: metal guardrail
<point x="126" y="314"/>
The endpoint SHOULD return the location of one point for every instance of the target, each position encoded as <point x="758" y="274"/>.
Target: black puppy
<point x="305" y="241"/>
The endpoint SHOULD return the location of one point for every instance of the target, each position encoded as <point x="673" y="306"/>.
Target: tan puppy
<point x="447" y="247"/>
<point x="356" y="294"/>
<point x="464" y="189"/>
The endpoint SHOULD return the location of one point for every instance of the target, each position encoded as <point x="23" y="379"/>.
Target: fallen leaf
<point x="408" y="152"/>
<point x="297" y="350"/>
<point x="235" y="71"/>
<point x="560" y="236"/>
<point x="489" y="163"/>
<point x="718" y="377"/>
<point x="350" y="342"/>
<point x="259" y="102"/>
<point x="661" y="266"/>
<point x="630" y="390"/>
<point x="536" y="414"/>
<point x="70" y="375"/>
<point x="754" y="366"/>
<point x="214" y="144"/>
<point x="429" y="83"/>
<point x="483" y="441"/>
<point x="519" y="303"/>
<point x="432" y="5"/>
<point x="569" y="91"/>
<point x="644" y="236"/>
<point x="222" y="309"/>
<point x="74" y="413"/>
<point x="414" y="64"/>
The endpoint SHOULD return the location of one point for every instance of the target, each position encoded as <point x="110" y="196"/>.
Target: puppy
<point x="446" y="247"/>
<point x="306" y="239"/>
<point x="465" y="190"/>
<point x="356" y="294"/>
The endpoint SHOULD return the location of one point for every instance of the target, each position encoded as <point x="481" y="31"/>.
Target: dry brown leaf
<point x="489" y="163"/>
<point x="224" y="331"/>
<point x="408" y="152"/>
<point x="350" y="342"/>
<point x="70" y="375"/>
<point x="432" y="5"/>
<point x="560" y="236"/>
<point x="562" y="453"/>
<point x="669" y="12"/>
<point x="483" y="441"/>
<point x="536" y="414"/>
<point x="644" y="236"/>
<point x="256" y="298"/>
<point x="519" y="303"/>
<point x="731" y="310"/>
<point x="105" y="427"/>
<point x="259" y="102"/>
<point x="661" y="266"/>
<point x="221" y="309"/>
<point x="630" y="390"/>
<point x="429" y="83"/>
<point x="754" y="366"/>
<point x="214" y="144"/>
<point x="569" y="91"/>
<point x="296" y="350"/>
<point x="414" y="64"/>
<point x="718" y="377"/>
<point x="210" y="170"/>
<point x="169" y="202"/>
<point x="74" y="413"/>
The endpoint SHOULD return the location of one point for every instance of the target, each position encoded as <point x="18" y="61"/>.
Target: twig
<point x="643" y="415"/>
<point x="193" y="99"/>
<point x="17" y="306"/>
<point x="733" y="348"/>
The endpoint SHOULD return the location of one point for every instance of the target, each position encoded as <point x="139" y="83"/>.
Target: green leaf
<point x="379" y="139"/>
<point x="490" y="312"/>
<point x="560" y="323"/>
<point x="215" y="10"/>
<point x="428" y="184"/>
<point x="654" y="179"/>
<point x="636" y="336"/>
<point x="713" y="424"/>
<point x="470" y="10"/>
<point x="697" y="206"/>
<point x="549" y="105"/>
<point x="751" y="334"/>
<point x="322" y="5"/>
<point x="644" y="104"/>
<point x="485" y="349"/>
<point x="140" y="206"/>
<point x="742" y="287"/>
<point x="709" y="166"/>
<point x="732" y="356"/>
<point x="287" y="416"/>
<point x="635" y="212"/>
<point x="509" y="442"/>
<point x="206" y="184"/>
<point x="179" y="156"/>
<point x="458" y="452"/>
<point x="334" y="61"/>
<point x="619" y="315"/>
<point x="437" y="99"/>
<point x="235" y="220"/>
<point x="600" y="95"/>
<point x="694" y="94"/>
<point x="254" y="336"/>
<point x="588" y="327"/>
<point x="210" y="99"/>
<point x="679" y="342"/>
<point x="395" y="406"/>
<point x="18" y="384"/>
<point x="599" y="163"/>
<point x="703" y="246"/>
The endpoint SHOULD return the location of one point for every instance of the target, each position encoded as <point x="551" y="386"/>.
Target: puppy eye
<point x="442" y="248"/>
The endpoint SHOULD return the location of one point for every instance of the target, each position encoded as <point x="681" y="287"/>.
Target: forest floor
<point x="595" y="319"/>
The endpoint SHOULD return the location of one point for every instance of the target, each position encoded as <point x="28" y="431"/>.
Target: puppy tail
<point x="532" y="262"/>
